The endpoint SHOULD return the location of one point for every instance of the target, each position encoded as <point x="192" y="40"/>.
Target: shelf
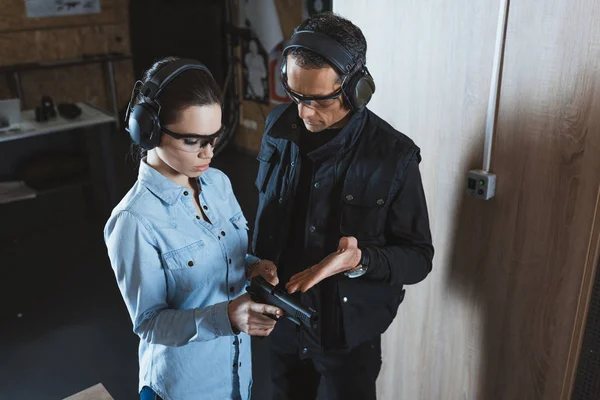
<point x="85" y="59"/>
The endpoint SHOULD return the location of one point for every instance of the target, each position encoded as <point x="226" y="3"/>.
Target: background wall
<point x="500" y="315"/>
<point x="28" y="40"/>
<point x="248" y="136"/>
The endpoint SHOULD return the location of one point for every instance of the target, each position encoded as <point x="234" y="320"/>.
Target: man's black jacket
<point x="366" y="183"/>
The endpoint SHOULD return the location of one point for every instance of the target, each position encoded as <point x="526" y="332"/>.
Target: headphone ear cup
<point x="144" y="126"/>
<point x="363" y="91"/>
<point x="358" y="91"/>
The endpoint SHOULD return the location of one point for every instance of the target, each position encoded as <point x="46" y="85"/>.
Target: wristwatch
<point x="361" y="268"/>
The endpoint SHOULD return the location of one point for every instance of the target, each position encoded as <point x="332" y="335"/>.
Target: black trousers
<point x="347" y="376"/>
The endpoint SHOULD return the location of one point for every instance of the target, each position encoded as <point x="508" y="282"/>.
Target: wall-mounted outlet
<point x="481" y="184"/>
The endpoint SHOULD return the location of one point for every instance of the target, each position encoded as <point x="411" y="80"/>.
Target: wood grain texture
<point x="495" y="318"/>
<point x="62" y="43"/>
<point x="587" y="285"/>
<point x="14" y="16"/>
<point x="77" y="83"/>
<point x="24" y="40"/>
<point x="96" y="392"/>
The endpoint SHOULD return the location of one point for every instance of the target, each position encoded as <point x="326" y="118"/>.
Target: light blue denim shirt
<point x="177" y="273"/>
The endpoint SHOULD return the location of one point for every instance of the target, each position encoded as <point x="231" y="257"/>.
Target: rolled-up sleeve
<point x="139" y="273"/>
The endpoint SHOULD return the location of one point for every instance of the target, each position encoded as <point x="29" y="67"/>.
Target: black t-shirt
<point x="307" y="142"/>
<point x="294" y="257"/>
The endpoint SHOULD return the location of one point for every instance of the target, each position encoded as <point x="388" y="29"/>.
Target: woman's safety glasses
<point x="193" y="143"/>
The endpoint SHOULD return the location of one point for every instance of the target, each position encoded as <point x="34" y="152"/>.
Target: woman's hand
<point x="266" y="269"/>
<point x="250" y="317"/>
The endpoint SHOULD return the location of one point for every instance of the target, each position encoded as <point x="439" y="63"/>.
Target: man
<point x="341" y="211"/>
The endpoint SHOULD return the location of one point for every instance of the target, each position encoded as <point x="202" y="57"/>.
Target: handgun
<point x="263" y="292"/>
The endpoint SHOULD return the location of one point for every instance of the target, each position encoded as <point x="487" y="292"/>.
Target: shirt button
<point x="294" y="126"/>
<point x="349" y="197"/>
<point x="292" y="164"/>
<point x="312" y="229"/>
<point x="197" y="217"/>
<point x="222" y="233"/>
<point x="230" y="261"/>
<point x="380" y="202"/>
<point x="190" y="263"/>
<point x="240" y="363"/>
<point x="231" y="289"/>
<point x="317" y="185"/>
<point x="345" y="299"/>
<point x="304" y="350"/>
<point x="185" y="193"/>
<point x="280" y="200"/>
<point x="205" y="207"/>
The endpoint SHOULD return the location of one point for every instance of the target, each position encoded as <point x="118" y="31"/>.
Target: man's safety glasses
<point x="321" y="102"/>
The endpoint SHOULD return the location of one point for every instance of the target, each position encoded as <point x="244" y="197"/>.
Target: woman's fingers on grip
<point x="268" y="270"/>
<point x="262" y="322"/>
<point x="260" y="332"/>
<point x="266" y="309"/>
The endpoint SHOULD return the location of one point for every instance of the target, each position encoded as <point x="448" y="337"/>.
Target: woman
<point x="177" y="244"/>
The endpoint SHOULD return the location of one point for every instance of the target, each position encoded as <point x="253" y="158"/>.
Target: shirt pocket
<point x="188" y="266"/>
<point x="265" y="168"/>
<point x="240" y="224"/>
<point x="364" y="208"/>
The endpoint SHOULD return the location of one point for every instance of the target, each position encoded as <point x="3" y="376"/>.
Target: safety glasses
<point x="194" y="143"/>
<point x="321" y="102"/>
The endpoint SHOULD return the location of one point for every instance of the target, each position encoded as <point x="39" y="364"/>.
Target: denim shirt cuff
<point x="220" y="318"/>
<point x="250" y="261"/>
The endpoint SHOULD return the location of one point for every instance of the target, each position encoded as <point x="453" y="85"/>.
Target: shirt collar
<point x="161" y="186"/>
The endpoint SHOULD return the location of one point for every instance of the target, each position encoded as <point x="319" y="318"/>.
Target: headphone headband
<point x="326" y="47"/>
<point x="167" y="73"/>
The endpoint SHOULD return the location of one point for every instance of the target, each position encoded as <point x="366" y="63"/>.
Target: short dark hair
<point x="348" y="35"/>
<point x="190" y="88"/>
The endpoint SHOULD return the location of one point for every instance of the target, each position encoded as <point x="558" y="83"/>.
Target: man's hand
<point x="250" y="317"/>
<point x="344" y="259"/>
<point x="266" y="269"/>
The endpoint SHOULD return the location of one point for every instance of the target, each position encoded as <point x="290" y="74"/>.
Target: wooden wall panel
<point x="583" y="304"/>
<point x="65" y="85"/>
<point x="62" y="43"/>
<point x="495" y="319"/>
<point x="14" y="16"/>
<point x="548" y="147"/>
<point x="24" y="40"/>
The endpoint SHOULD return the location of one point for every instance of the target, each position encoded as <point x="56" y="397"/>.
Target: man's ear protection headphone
<point x="358" y="85"/>
<point x="142" y="119"/>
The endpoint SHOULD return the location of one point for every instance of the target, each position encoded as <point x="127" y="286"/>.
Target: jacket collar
<point x="161" y="186"/>
<point x="289" y="126"/>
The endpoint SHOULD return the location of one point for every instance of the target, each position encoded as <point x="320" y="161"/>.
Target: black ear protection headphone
<point x="357" y="86"/>
<point x="142" y="119"/>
